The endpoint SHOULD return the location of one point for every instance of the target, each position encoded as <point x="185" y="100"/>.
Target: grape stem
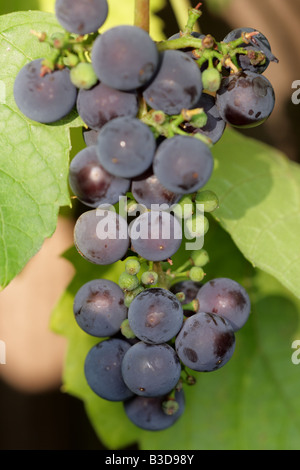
<point x="142" y="14"/>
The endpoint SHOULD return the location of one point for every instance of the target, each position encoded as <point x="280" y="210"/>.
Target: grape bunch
<point x="152" y="111"/>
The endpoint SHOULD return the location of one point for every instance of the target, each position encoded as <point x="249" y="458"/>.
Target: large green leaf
<point x="251" y="403"/>
<point x="34" y="157"/>
<point x="259" y="191"/>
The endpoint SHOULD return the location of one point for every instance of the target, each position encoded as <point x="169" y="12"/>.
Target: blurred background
<point x="34" y="413"/>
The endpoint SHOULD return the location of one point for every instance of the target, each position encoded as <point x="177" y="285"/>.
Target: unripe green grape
<point x="149" y="278"/>
<point x="126" y="330"/>
<point x="200" y="258"/>
<point x="128" y="282"/>
<point x="209" y="200"/>
<point x="211" y="79"/>
<point x="184" y="209"/>
<point x="129" y="296"/>
<point x="83" y="76"/>
<point x="196" y="274"/>
<point x="132" y="266"/>
<point x="197" y="226"/>
<point x="170" y="407"/>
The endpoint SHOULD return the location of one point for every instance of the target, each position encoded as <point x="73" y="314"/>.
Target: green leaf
<point x="34" y="157"/>
<point x="259" y="193"/>
<point x="251" y="403"/>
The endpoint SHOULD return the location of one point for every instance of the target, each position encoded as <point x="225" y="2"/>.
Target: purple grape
<point x="101" y="236"/>
<point x="99" y="308"/>
<point x="183" y="164"/>
<point x="206" y="342"/>
<point x="148" y="414"/>
<point x="149" y="191"/>
<point x="260" y="44"/>
<point x="155" y="235"/>
<point x="91" y="183"/>
<point x="126" y="147"/>
<point x="151" y="370"/>
<point x="47" y="98"/>
<point x="225" y="297"/>
<point x="155" y="315"/>
<point x="125" y="57"/>
<point x="177" y="84"/>
<point x="81" y="16"/>
<point x="101" y="104"/>
<point x="245" y="99"/>
<point x="103" y="372"/>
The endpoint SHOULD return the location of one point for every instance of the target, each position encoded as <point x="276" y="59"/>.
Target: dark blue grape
<point x="245" y="99"/>
<point x="151" y="370"/>
<point x="215" y="126"/>
<point x="149" y="191"/>
<point x="155" y="315"/>
<point x="47" y="98"/>
<point x="103" y="372"/>
<point x="183" y="164"/>
<point x="101" y="236"/>
<point x="81" y="16"/>
<point x="190" y="290"/>
<point x="225" y="297"/>
<point x="126" y="147"/>
<point x="101" y="104"/>
<point x="155" y="235"/>
<point x="148" y="414"/>
<point x="260" y="43"/>
<point x="206" y="342"/>
<point x="177" y="84"/>
<point x="125" y="57"/>
<point x="99" y="308"/>
<point x="91" y="183"/>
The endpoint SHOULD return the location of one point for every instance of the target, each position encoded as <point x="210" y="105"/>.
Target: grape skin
<point x="177" y="84"/>
<point x="151" y="370"/>
<point x="147" y="413"/>
<point x="126" y="147"/>
<point x="225" y="297"/>
<point x="149" y="190"/>
<point x="155" y="315"/>
<point x="99" y="308"/>
<point x="206" y="342"/>
<point x="102" y="369"/>
<point x="183" y="164"/>
<point x="245" y="100"/>
<point x="91" y="183"/>
<point x="125" y="57"/>
<point x="81" y="16"/>
<point x="44" y="99"/>
<point x="101" y="236"/>
<point x="101" y="104"/>
<point x="155" y="235"/>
